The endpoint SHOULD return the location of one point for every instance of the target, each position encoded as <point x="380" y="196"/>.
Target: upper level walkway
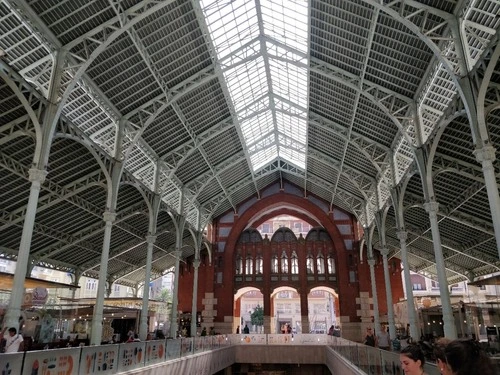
<point x="206" y="356"/>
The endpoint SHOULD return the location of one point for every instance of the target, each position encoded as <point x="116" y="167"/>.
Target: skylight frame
<point x="280" y="70"/>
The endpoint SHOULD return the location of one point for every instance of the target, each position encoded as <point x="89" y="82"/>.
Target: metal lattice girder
<point x="425" y="234"/>
<point x="84" y="49"/>
<point x="355" y="177"/>
<point x="196" y="186"/>
<point x="48" y="200"/>
<point x="393" y="66"/>
<point x="429" y="259"/>
<point x="29" y="98"/>
<point x="162" y="84"/>
<point x="397" y="107"/>
<point x="376" y="153"/>
<point x="444" y="163"/>
<point x="424" y="20"/>
<point x="143" y="114"/>
<point x="452" y="214"/>
<point x="114" y="254"/>
<point x="217" y="200"/>
<point x="176" y="157"/>
<point x="89" y="232"/>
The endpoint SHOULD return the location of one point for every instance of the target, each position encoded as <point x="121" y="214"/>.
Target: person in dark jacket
<point x="370" y="338"/>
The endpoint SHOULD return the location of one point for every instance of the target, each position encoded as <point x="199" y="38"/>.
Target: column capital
<point x="486" y="153"/>
<point x="196" y="263"/>
<point x="384" y="251"/>
<point x="402" y="235"/>
<point x="431" y="207"/>
<point x="37" y="175"/>
<point x="150" y="239"/>
<point x="109" y="216"/>
<point x="371" y="262"/>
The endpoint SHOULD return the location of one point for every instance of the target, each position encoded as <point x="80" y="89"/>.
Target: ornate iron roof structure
<point x="205" y="103"/>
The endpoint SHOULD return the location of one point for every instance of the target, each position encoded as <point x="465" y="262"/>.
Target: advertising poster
<point x="173" y="349"/>
<point x="60" y="361"/>
<point x="186" y="346"/>
<point x="155" y="351"/>
<point x="253" y="339"/>
<point x="280" y="339"/>
<point x="11" y="363"/>
<point x="99" y="360"/>
<point x="132" y="355"/>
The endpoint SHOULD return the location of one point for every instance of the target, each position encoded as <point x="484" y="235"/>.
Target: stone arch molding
<point x="283" y="200"/>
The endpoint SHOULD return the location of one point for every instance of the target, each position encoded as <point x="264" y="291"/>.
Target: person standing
<point x="330" y="331"/>
<point x="246" y="330"/>
<point x="13" y="341"/>
<point x="204" y="331"/>
<point x="369" y="338"/>
<point x="383" y="339"/>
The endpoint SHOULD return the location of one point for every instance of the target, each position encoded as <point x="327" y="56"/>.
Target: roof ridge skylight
<point x="274" y="131"/>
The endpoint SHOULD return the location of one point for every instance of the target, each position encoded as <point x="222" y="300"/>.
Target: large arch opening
<point x="287" y="267"/>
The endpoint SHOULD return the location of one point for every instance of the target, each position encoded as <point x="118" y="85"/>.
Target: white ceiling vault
<point x="208" y="102"/>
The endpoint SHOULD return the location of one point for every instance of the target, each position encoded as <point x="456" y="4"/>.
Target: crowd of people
<point x="453" y="357"/>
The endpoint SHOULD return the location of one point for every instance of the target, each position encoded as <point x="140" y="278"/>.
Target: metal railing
<point x="117" y="358"/>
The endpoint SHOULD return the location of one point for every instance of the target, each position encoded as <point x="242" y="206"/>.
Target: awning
<point x="491" y="280"/>
<point x="7" y="283"/>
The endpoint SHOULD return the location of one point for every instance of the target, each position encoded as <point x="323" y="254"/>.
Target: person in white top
<point x="13" y="341"/>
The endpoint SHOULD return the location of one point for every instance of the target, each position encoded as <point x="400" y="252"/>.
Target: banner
<point x="99" y="360"/>
<point x="58" y="361"/>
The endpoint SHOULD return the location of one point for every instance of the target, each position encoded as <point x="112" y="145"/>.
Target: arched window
<point x="284" y="262"/>
<point x="320" y="264"/>
<point x="239" y="265"/>
<point x="331" y="264"/>
<point x="259" y="264"/>
<point x="295" y="263"/>
<point x="310" y="264"/>
<point x="249" y="265"/>
<point x="274" y="264"/>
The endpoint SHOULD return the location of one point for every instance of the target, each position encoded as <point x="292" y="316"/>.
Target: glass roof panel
<point x="231" y="23"/>
<point x="255" y="77"/>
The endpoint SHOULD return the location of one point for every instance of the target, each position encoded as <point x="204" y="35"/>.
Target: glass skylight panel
<point x="240" y="55"/>
<point x="258" y="106"/>
<point x="257" y="73"/>
<point x="231" y="23"/>
<point x="257" y="126"/>
<point x="247" y="82"/>
<point x="286" y="22"/>
<point x="263" y="157"/>
<point x="291" y="126"/>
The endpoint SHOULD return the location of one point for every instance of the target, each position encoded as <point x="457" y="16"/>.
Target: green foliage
<point x="165" y="295"/>
<point x="257" y="316"/>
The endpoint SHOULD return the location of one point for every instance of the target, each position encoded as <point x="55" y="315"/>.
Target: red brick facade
<point x="350" y="278"/>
